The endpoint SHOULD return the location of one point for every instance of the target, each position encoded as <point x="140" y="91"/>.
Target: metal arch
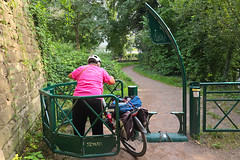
<point x="152" y="12"/>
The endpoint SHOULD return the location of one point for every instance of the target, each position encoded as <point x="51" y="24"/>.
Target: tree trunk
<point x="228" y="63"/>
<point x="77" y="32"/>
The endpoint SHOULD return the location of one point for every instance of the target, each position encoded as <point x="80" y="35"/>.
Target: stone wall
<point x="21" y="76"/>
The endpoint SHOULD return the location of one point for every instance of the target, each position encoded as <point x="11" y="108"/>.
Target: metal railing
<point x="224" y="109"/>
<point x="56" y="105"/>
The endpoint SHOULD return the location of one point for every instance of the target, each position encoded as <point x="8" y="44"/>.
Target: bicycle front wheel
<point x="137" y="144"/>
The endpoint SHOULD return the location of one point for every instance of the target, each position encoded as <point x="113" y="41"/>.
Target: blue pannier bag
<point x="125" y="105"/>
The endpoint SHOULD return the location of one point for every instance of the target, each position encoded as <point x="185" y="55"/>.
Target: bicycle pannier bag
<point x="126" y="125"/>
<point x="125" y="105"/>
<point x="142" y="116"/>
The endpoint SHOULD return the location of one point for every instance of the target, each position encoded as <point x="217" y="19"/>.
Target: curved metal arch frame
<point x="151" y="11"/>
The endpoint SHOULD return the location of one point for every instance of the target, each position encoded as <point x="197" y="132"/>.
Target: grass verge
<point x="220" y="140"/>
<point x="173" y="81"/>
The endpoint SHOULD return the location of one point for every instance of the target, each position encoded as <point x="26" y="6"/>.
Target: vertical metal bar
<point x="52" y="112"/>
<point x="42" y="112"/>
<point x="204" y="107"/>
<point x="121" y="88"/>
<point x="52" y="117"/>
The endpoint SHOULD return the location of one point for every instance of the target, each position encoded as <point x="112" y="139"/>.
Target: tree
<point x="82" y="22"/>
<point x="207" y="32"/>
<point x="125" y="19"/>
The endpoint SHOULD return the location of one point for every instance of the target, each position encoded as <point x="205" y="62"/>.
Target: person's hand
<point x="111" y="81"/>
<point x="70" y="76"/>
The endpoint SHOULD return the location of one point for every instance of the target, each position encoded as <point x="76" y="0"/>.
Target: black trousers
<point x="81" y="112"/>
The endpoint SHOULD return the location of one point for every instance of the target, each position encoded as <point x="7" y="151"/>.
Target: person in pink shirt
<point x="90" y="79"/>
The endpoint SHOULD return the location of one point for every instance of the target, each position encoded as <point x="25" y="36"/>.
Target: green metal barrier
<point x="194" y="109"/>
<point x="224" y="96"/>
<point x="160" y="34"/>
<point x="115" y="88"/>
<point x="56" y="106"/>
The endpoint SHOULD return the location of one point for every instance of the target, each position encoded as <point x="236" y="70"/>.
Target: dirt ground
<point x="163" y="99"/>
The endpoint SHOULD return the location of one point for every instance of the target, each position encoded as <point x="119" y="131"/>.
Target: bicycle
<point x="136" y="144"/>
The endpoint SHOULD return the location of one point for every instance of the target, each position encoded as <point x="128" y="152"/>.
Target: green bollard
<point x="194" y="94"/>
<point x="132" y="91"/>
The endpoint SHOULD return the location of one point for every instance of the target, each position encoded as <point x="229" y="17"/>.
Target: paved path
<point x="162" y="98"/>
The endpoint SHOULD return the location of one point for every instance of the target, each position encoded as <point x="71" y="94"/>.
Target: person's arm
<point x="111" y="81"/>
<point x="70" y="76"/>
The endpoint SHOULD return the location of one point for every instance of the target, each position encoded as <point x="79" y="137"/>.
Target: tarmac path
<point x="163" y="99"/>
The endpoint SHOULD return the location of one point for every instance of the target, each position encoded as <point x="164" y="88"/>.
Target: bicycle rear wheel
<point x="137" y="144"/>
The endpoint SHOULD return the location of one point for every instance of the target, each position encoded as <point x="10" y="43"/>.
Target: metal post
<point x="194" y="109"/>
<point x="132" y="91"/>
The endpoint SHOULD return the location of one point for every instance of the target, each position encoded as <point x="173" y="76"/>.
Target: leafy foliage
<point x="125" y="19"/>
<point x="39" y="14"/>
<point x="82" y="22"/>
<point x="65" y="59"/>
<point x="212" y="39"/>
<point x="31" y="150"/>
<point x="207" y="32"/>
<point x="60" y="58"/>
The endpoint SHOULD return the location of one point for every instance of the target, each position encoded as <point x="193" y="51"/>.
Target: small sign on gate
<point x="99" y="145"/>
<point x="196" y="92"/>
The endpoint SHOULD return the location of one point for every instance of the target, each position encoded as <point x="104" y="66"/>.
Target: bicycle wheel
<point x="137" y="144"/>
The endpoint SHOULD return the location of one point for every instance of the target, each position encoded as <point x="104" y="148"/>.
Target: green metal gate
<point x="56" y="106"/>
<point x="223" y="98"/>
<point x="221" y="107"/>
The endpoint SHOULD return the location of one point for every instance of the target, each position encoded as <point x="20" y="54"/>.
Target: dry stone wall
<point x="21" y="76"/>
